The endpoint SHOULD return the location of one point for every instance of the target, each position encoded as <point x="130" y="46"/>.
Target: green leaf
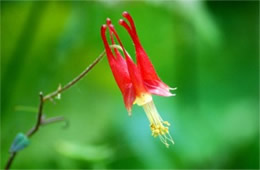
<point x="86" y="152"/>
<point x="20" y="142"/>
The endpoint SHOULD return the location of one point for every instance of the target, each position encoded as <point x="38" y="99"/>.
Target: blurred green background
<point x="208" y="49"/>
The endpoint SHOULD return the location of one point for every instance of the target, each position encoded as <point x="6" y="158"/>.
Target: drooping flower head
<point x="137" y="82"/>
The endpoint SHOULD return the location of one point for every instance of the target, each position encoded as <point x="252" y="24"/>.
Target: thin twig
<point x="10" y="160"/>
<point x="75" y="80"/>
<point x="39" y="117"/>
<point x="40" y="120"/>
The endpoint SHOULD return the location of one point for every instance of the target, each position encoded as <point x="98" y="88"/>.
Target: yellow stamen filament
<point x="158" y="126"/>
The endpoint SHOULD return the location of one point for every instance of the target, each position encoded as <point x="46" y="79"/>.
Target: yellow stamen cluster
<point x="160" y="129"/>
<point x="158" y="126"/>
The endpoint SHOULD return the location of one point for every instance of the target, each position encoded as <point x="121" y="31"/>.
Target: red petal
<point x="134" y="72"/>
<point x="152" y="81"/>
<point x="120" y="72"/>
<point x="129" y="97"/>
<point x="112" y="39"/>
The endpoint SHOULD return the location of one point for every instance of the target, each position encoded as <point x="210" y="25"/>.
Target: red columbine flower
<point x="137" y="82"/>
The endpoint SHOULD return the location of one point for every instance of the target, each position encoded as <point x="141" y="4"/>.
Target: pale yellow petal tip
<point x="143" y="99"/>
<point x="129" y="111"/>
<point x="175" y="88"/>
<point x="173" y="94"/>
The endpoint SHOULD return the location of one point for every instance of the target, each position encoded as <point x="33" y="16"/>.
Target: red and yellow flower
<point x="137" y="82"/>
